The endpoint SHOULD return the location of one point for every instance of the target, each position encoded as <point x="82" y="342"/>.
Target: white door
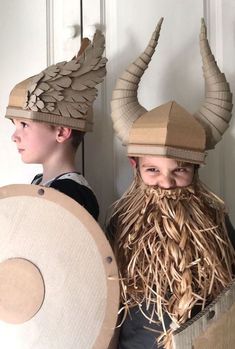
<point x="34" y="34"/>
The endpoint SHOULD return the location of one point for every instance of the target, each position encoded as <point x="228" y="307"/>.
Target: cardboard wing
<point x="213" y="328"/>
<point x="58" y="277"/>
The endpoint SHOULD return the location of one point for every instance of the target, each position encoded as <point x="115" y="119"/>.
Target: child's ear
<point x="133" y="162"/>
<point x="63" y="133"/>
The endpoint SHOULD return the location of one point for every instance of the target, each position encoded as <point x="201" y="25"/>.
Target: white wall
<point x="23" y="53"/>
<point x="228" y="152"/>
<point x="35" y="33"/>
<point x="219" y="172"/>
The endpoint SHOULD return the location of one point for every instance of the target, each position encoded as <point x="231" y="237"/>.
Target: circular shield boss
<point x="58" y="277"/>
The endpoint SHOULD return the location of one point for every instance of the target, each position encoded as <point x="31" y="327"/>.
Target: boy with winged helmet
<point x="51" y="113"/>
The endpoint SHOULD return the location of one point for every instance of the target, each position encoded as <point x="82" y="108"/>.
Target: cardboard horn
<point x="215" y="113"/>
<point x="58" y="276"/>
<point x="125" y="105"/>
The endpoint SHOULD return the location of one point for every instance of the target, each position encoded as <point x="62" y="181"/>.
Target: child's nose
<point x="15" y="137"/>
<point x="167" y="182"/>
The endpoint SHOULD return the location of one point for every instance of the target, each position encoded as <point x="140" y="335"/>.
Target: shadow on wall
<point x="117" y="64"/>
<point x="228" y="161"/>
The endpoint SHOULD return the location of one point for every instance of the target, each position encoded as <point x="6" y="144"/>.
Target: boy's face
<point x="164" y="172"/>
<point x="35" y="141"/>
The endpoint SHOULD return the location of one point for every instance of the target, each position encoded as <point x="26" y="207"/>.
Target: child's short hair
<point x="76" y="138"/>
<point x="185" y="164"/>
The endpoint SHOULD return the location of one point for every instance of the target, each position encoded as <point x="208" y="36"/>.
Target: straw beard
<point x="172" y="249"/>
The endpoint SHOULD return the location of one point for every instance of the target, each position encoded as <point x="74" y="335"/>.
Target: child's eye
<point x="23" y="124"/>
<point x="152" y="169"/>
<point x="180" y="169"/>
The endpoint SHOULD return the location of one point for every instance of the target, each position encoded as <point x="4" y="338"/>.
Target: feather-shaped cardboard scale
<point x="64" y="92"/>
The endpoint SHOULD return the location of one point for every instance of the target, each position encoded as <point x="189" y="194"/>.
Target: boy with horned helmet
<point x="171" y="235"/>
<point x="51" y="113"/>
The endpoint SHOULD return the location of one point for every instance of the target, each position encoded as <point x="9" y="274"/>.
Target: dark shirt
<point x="75" y="189"/>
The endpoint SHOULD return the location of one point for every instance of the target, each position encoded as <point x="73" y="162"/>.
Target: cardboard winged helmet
<point x="63" y="93"/>
<point x="169" y="130"/>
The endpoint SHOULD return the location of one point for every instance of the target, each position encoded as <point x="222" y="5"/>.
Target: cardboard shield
<point x="212" y="328"/>
<point x="58" y="277"/>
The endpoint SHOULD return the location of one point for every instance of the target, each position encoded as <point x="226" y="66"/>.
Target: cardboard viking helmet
<point x="59" y="283"/>
<point x="63" y="93"/>
<point x="169" y="130"/>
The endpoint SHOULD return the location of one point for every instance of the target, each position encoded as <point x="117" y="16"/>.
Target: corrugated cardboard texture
<point x="213" y="328"/>
<point x="77" y="265"/>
